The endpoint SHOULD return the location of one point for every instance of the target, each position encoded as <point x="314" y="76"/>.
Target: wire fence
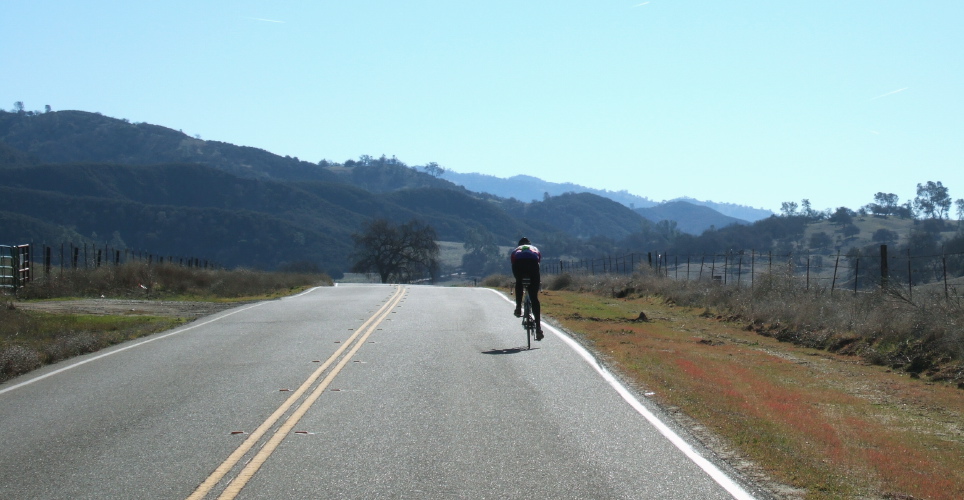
<point x="853" y="271"/>
<point x="52" y="260"/>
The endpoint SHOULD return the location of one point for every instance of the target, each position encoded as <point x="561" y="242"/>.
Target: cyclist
<point x="525" y="264"/>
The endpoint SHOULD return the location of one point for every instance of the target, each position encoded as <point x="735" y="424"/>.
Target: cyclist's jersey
<point x="525" y="252"/>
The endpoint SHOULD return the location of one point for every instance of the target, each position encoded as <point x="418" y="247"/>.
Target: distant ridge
<point x="690" y="218"/>
<point x="731" y="209"/>
<point x="527" y="188"/>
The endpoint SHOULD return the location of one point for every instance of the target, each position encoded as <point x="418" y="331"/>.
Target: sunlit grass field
<point x="826" y="425"/>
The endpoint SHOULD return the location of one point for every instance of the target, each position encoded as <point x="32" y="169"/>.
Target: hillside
<point x="527" y="188"/>
<point x="95" y="180"/>
<point x="77" y="177"/>
<point x="79" y="136"/>
<point x="177" y="208"/>
<point x="741" y="212"/>
<point x="585" y="215"/>
<point x="690" y="218"/>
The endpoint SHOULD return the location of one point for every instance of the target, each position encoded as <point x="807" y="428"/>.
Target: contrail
<point x="264" y="20"/>
<point x="640" y="4"/>
<point x="890" y="93"/>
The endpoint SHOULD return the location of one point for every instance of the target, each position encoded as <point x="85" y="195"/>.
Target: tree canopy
<point x="397" y="253"/>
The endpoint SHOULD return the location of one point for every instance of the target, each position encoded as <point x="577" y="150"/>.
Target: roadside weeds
<point x="821" y="425"/>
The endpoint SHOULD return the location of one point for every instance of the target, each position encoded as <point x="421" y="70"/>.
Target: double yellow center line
<point x="353" y="343"/>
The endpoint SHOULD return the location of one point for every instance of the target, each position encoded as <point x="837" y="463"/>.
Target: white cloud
<point x="890" y="93"/>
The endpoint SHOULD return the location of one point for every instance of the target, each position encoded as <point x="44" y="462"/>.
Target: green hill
<point x="79" y="136"/>
<point x="691" y="218"/>
<point x="585" y="215"/>
<point x="84" y="177"/>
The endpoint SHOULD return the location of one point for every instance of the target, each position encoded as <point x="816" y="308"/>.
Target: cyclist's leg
<point x="534" y="285"/>
<point x="534" y="298"/>
<point x="517" y="273"/>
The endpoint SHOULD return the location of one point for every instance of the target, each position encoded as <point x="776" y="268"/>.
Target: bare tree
<point x="399" y="254"/>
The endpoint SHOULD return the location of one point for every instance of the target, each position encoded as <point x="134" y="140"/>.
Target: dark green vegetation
<point x="82" y="178"/>
<point x="30" y="338"/>
<point x="79" y="178"/>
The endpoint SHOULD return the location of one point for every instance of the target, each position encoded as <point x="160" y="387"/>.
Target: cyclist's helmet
<point x="524" y="241"/>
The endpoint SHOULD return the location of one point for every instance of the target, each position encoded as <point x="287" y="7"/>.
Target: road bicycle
<point x="528" y="322"/>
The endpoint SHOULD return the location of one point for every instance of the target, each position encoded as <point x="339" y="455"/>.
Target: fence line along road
<point x="852" y="271"/>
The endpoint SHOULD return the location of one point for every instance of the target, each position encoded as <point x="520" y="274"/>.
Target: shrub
<point x="144" y="280"/>
<point x="882" y="326"/>
<point x="18" y="359"/>
<point x="559" y="282"/>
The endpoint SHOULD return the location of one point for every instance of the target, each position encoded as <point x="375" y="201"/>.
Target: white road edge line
<point x="138" y="344"/>
<point x="131" y="346"/>
<point x="712" y="470"/>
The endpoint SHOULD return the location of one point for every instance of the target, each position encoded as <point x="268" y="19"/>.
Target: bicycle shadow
<point x="511" y="350"/>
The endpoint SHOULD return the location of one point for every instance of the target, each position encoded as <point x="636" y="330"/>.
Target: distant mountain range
<point x="527" y="188"/>
<point x="95" y="180"/>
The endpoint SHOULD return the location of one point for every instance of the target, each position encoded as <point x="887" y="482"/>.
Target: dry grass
<point x="171" y="281"/>
<point x="923" y="335"/>
<point x="30" y="339"/>
<point x="828" y="424"/>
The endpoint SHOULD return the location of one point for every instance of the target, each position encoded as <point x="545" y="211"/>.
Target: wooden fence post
<point x="726" y="265"/>
<point x="752" y="267"/>
<point x="884" y="267"/>
<point x="836" y="265"/>
<point x="944" y="262"/>
<point x="910" y="278"/>
<point x="856" y="273"/>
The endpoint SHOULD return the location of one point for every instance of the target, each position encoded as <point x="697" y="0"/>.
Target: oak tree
<point x="397" y="253"/>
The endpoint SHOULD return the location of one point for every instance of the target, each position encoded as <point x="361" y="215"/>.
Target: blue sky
<point x="749" y="102"/>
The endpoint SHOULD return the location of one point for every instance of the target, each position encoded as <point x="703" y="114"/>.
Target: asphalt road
<point x="355" y="391"/>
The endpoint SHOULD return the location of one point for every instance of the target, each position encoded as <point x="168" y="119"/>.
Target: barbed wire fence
<point x="854" y="272"/>
<point x="47" y="261"/>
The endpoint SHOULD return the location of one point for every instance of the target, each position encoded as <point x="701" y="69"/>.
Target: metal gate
<point x="15" y="269"/>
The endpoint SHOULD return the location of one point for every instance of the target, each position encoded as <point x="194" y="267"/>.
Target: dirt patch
<point x="120" y="307"/>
